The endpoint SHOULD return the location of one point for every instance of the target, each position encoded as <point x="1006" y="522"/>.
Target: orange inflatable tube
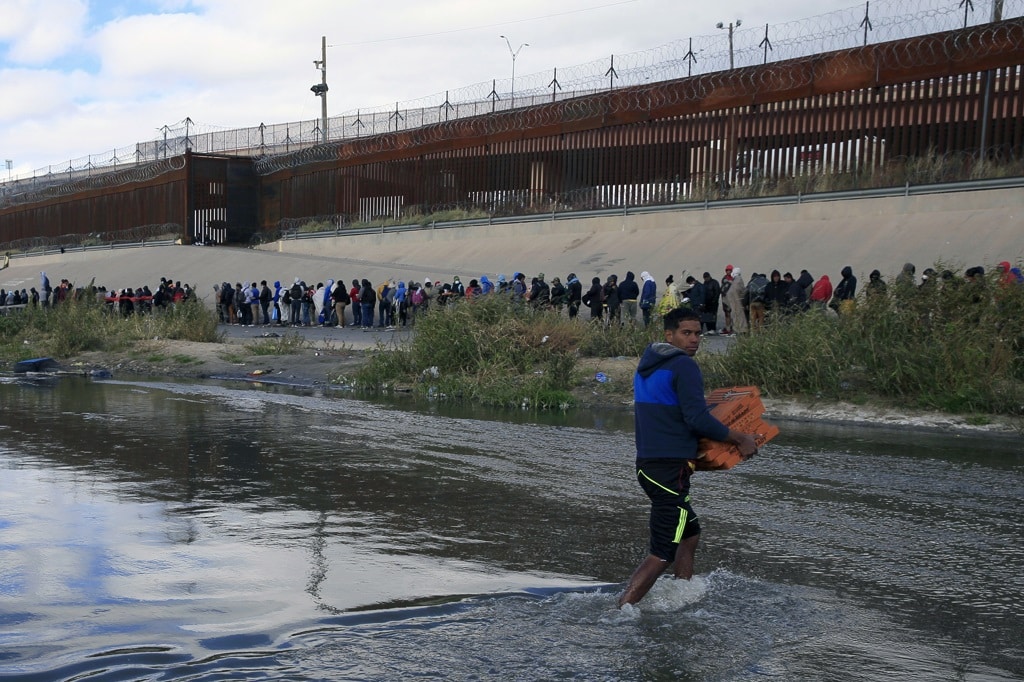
<point x="740" y="408"/>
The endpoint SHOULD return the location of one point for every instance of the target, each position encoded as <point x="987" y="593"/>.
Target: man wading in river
<point x="670" y="416"/>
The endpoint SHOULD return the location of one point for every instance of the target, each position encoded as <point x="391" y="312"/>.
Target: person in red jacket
<point x="821" y="293"/>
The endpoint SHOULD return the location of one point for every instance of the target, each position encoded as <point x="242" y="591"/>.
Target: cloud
<point x="36" y="32"/>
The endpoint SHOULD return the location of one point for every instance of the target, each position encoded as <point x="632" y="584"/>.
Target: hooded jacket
<point x="846" y="290"/>
<point x="670" y="412"/>
<point x="629" y="290"/>
<point x="822" y="291"/>
<point x="1006" y="276"/>
<point x="575" y="290"/>
<point x="805" y="280"/>
<point x="649" y="295"/>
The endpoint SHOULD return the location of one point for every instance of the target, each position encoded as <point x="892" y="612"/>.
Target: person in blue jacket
<point x="670" y="416"/>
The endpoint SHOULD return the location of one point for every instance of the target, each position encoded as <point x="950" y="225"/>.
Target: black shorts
<point x="667" y="483"/>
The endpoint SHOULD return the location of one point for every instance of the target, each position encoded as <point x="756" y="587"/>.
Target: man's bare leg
<point x="684" y="557"/>
<point x="643" y="579"/>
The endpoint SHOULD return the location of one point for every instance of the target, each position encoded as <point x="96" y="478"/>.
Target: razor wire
<point x="796" y="75"/>
<point x="868" y="23"/>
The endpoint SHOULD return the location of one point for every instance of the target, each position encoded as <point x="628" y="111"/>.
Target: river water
<point x="154" y="530"/>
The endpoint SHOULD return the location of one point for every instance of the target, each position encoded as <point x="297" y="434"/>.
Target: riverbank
<point x="324" y="358"/>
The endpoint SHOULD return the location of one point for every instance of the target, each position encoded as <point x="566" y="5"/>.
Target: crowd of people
<point x="126" y="301"/>
<point x="727" y="305"/>
<point x="740" y="305"/>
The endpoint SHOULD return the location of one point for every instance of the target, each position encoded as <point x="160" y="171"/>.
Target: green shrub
<point x="493" y="351"/>
<point x="287" y="344"/>
<point x="951" y="345"/>
<point x="84" y="323"/>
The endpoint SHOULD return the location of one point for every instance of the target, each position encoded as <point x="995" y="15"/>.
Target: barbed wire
<point x="869" y="23"/>
<point x="738" y="84"/>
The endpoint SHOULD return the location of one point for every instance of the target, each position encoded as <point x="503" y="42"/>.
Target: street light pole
<point x="320" y="89"/>
<point x="738" y="23"/>
<point x="514" y="54"/>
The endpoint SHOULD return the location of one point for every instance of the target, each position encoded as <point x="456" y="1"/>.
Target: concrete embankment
<point x="963" y="229"/>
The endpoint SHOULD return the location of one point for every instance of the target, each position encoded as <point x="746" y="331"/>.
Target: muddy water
<point x="201" y="531"/>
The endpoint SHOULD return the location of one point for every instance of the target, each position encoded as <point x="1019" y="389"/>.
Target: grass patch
<point x="233" y="356"/>
<point x="493" y="351"/>
<point x="953" y="346"/>
<point x="84" y="323"/>
<point x="182" y="359"/>
<point x="286" y="344"/>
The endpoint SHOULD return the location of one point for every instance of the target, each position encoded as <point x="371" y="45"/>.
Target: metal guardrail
<point x="706" y="205"/>
<point x="96" y="247"/>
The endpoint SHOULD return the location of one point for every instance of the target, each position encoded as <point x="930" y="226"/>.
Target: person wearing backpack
<point x="227" y="302"/>
<point x="540" y="292"/>
<point x="610" y="292"/>
<point x="417" y="298"/>
<point x="775" y="294"/>
<point x="695" y="295"/>
<point x="341" y="298"/>
<point x="295" y="311"/>
<point x="558" y="294"/>
<point x="265" y="296"/>
<point x="306" y="305"/>
<point x="279" y="291"/>
<point x="367" y="299"/>
<point x="574" y="294"/>
<point x="385" y="298"/>
<point x="712" y="297"/>
<point x="594" y="299"/>
<point x="757" y="300"/>
<point x="648" y="296"/>
<point x="518" y="286"/>
<point x="357" y="310"/>
<point x="629" y="293"/>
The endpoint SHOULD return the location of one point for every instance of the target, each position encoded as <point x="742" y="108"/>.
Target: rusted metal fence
<point x="861" y="117"/>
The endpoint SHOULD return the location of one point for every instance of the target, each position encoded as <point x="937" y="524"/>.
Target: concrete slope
<point x="963" y="229"/>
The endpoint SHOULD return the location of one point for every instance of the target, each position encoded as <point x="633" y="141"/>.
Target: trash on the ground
<point x="602" y="377"/>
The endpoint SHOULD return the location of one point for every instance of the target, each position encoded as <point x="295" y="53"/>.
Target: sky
<point x="85" y="77"/>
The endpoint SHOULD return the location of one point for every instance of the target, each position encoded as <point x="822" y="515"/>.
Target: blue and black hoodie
<point x="669" y="406"/>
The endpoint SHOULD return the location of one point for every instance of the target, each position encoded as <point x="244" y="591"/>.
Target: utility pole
<point x="320" y="89"/>
<point x="731" y="26"/>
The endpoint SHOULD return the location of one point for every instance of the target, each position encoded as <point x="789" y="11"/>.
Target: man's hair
<point x="674" y="317"/>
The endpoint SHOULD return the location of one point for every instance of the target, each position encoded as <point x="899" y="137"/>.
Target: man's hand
<point x="744" y="442"/>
